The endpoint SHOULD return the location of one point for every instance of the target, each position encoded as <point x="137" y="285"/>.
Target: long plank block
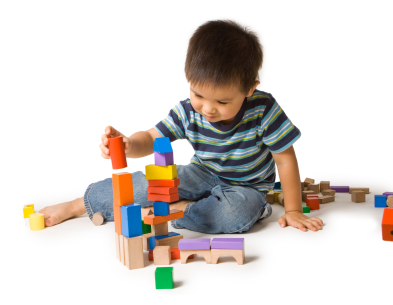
<point x="154" y="172"/>
<point x="194" y="244"/>
<point x="364" y="189"/>
<point x="340" y="189"/>
<point x="123" y="193"/>
<point x="172" y="241"/>
<point x="121" y="241"/>
<point x="117" y="219"/>
<point x="133" y="253"/>
<point x="117" y="238"/>
<point x="227" y="243"/>
<point x="163" y="198"/>
<point x="163" y="190"/>
<point x="155" y="220"/>
<point x="154" y="240"/>
<point x="168" y="183"/>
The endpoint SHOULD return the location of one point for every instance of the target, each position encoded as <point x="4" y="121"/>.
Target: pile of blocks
<point x="384" y="200"/>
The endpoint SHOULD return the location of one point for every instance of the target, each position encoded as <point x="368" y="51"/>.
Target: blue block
<point x="380" y="201"/>
<point x="152" y="239"/>
<point x="131" y="223"/>
<point x="277" y="185"/>
<point x="162" y="145"/>
<point x="161" y="208"/>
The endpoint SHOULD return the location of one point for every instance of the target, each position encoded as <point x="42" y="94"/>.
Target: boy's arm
<point x="141" y="143"/>
<point x="290" y="183"/>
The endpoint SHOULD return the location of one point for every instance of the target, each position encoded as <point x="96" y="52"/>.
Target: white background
<point x="70" y="68"/>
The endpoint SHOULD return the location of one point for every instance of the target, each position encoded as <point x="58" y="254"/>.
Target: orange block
<point x="156" y="220"/>
<point x="174" y="182"/>
<point x="312" y="203"/>
<point x="123" y="193"/>
<point x="163" y="190"/>
<point x="117" y="152"/>
<point x="163" y="198"/>
<point x="387" y="224"/>
<point x="117" y="215"/>
<point x="175" y="254"/>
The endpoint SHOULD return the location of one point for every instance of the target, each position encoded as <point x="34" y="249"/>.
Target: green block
<point x="306" y="209"/>
<point x="145" y="228"/>
<point x="164" y="277"/>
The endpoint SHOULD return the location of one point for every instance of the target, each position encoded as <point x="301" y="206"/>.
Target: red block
<point x="174" y="182"/>
<point x="175" y="254"/>
<point x="163" y="190"/>
<point x="312" y="203"/>
<point x="163" y="198"/>
<point x="387" y="224"/>
<point x="156" y="220"/>
<point x="117" y="152"/>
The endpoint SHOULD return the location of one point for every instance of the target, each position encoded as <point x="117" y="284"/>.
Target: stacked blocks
<point x="131" y="220"/>
<point x="164" y="277"/>
<point x="387" y="225"/>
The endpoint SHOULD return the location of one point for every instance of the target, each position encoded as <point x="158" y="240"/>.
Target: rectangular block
<point x="387" y="224"/>
<point x="121" y="247"/>
<point x="328" y="192"/>
<point x="326" y="199"/>
<point x="324" y="185"/>
<point x="175" y="254"/>
<point x="163" y="159"/>
<point x="145" y="241"/>
<point x="387" y="194"/>
<point x="161" y="208"/>
<point x="153" y="239"/>
<point x="117" y="239"/>
<point x="163" y="198"/>
<point x="28" y="209"/>
<point x="306" y="209"/>
<point x="380" y="201"/>
<point x="160" y="229"/>
<point x="162" y="255"/>
<point x="227" y="243"/>
<point x="340" y="189"/>
<point x="123" y="193"/>
<point x="313" y="187"/>
<point x="167" y="183"/>
<point x="133" y="252"/>
<point x="145" y="228"/>
<point x="281" y="199"/>
<point x="172" y="241"/>
<point x="270" y="197"/>
<point x="194" y="244"/>
<point x="276" y="194"/>
<point x="304" y="195"/>
<point x="164" y="278"/>
<point x="364" y="189"/>
<point x="308" y="181"/>
<point x="155" y="220"/>
<point x="117" y="219"/>
<point x="131" y="220"/>
<point x="161" y="172"/>
<point x="163" y="190"/>
<point x="312" y="203"/>
<point x="358" y="196"/>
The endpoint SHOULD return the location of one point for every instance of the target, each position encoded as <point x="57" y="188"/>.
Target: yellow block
<point x="154" y="172"/>
<point x="37" y="222"/>
<point x="27" y="210"/>
<point x="276" y="193"/>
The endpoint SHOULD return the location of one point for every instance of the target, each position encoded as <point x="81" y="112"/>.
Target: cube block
<point x="380" y="201"/>
<point x="162" y="255"/>
<point x="312" y="203"/>
<point x="163" y="159"/>
<point x="358" y="196"/>
<point x="306" y="209"/>
<point x="161" y="208"/>
<point x="164" y="277"/>
<point x="28" y="209"/>
<point x="131" y="220"/>
<point x="387" y="225"/>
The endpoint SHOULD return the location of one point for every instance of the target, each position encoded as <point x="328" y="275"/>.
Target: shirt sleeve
<point x="279" y="132"/>
<point x="173" y="125"/>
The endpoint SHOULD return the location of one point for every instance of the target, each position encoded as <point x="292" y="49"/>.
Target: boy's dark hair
<point x="222" y="53"/>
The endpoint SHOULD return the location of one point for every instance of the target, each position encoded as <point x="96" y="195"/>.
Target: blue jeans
<point x="215" y="207"/>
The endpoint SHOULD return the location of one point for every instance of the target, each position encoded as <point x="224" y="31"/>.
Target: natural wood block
<point x="145" y="241"/>
<point x="324" y="185"/>
<point x="389" y="201"/>
<point x="313" y="187"/>
<point x="238" y="255"/>
<point x="328" y="192"/>
<point x="175" y="254"/>
<point x="160" y="229"/>
<point x="206" y="254"/>
<point x="281" y="199"/>
<point x="301" y="187"/>
<point x="326" y="199"/>
<point x="308" y="181"/>
<point x="133" y="252"/>
<point x="172" y="241"/>
<point x="270" y="197"/>
<point x="305" y="193"/>
<point x="366" y="190"/>
<point x="358" y="196"/>
<point x="162" y="255"/>
<point x="117" y="238"/>
<point x="276" y="193"/>
<point x="117" y="219"/>
<point x="121" y="241"/>
<point x="97" y="219"/>
<point x="146" y="212"/>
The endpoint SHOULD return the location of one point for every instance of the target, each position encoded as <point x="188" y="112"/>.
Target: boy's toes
<point x="51" y="221"/>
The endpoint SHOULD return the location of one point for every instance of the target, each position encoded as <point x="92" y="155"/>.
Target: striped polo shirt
<point x="238" y="153"/>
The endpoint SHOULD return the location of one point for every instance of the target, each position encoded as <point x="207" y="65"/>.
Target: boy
<point x="238" y="133"/>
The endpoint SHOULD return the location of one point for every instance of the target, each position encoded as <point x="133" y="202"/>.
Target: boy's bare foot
<point x="57" y="213"/>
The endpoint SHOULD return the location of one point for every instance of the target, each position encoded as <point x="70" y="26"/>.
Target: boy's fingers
<point x="105" y="156"/>
<point x="316" y="224"/>
<point x="104" y="149"/>
<point x="311" y="226"/>
<point x="300" y="226"/>
<point x="282" y="222"/>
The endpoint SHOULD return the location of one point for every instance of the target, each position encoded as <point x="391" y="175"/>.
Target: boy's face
<point x="218" y="104"/>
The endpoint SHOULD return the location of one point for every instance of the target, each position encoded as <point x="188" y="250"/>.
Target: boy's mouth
<point x="209" y="117"/>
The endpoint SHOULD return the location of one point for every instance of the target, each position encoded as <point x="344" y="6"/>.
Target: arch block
<point x="184" y="254"/>
<point x="237" y="254"/>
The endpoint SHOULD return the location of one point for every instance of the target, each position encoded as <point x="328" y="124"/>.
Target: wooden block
<point x="304" y="195"/>
<point x="155" y="220"/>
<point x="305" y="188"/>
<point x="162" y="145"/>
<point x="160" y="229"/>
<point x="37" y="221"/>
<point x="340" y="189"/>
<point x="117" y="238"/>
<point x="328" y="192"/>
<point x="237" y="254"/>
<point x="313" y="187"/>
<point x="175" y="254"/>
<point x="270" y="197"/>
<point x="154" y="172"/>
<point x="117" y="152"/>
<point x="171" y="183"/>
<point x="123" y="193"/>
<point x="301" y="187"/>
<point x="312" y="203"/>
<point x="164" y="277"/>
<point x="162" y="255"/>
<point x="145" y="241"/>
<point x="163" y="198"/>
<point x="324" y="185"/>
<point x="146" y="212"/>
<point x="387" y="224"/>
<point x="276" y="193"/>
<point x="281" y="199"/>
<point x="366" y="190"/>
<point x="389" y="201"/>
<point x="28" y="209"/>
<point x="163" y="159"/>
<point x="308" y="181"/>
<point x="130" y="220"/>
<point x="97" y="219"/>
<point x="133" y="253"/>
<point x="326" y="199"/>
<point x="163" y="190"/>
<point x="172" y="241"/>
<point x="358" y="196"/>
<point x="380" y="201"/>
<point x="117" y="219"/>
<point x="206" y="254"/>
<point x="121" y="242"/>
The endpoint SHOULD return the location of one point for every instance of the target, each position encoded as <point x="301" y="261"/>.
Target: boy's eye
<point x="198" y="96"/>
<point x="222" y="103"/>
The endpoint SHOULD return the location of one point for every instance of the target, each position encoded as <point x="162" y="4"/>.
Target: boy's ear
<point x="253" y="88"/>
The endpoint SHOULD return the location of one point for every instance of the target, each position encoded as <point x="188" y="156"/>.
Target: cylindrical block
<point x="117" y="152"/>
<point x="37" y="222"/>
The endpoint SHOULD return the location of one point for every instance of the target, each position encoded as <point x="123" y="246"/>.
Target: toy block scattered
<point x="117" y="239"/>
<point x="206" y="254"/>
<point x="28" y="209"/>
<point x="163" y="159"/>
<point x="238" y="255"/>
<point x="153" y="240"/>
<point x="387" y="194"/>
<point x="304" y="195"/>
<point x="270" y="197"/>
<point x="306" y="209"/>
<point x="37" y="221"/>
<point x="308" y="181"/>
<point x="164" y="277"/>
<point x="277" y="185"/>
<point x="194" y="244"/>
<point x="328" y="192"/>
<point x="117" y="152"/>
<point x="326" y="199"/>
<point x="358" y="196"/>
<point x="163" y="190"/>
<point x="162" y="255"/>
<point x="389" y="201"/>
<point x="276" y="193"/>
<point x="161" y="208"/>
<point x="123" y="193"/>
<point x="163" y="198"/>
<point x="387" y="224"/>
<point x="117" y="219"/>
<point x="97" y="219"/>
<point x="281" y="199"/>
<point x="166" y="183"/>
<point x="154" y="172"/>
<point x="324" y="185"/>
<point x="160" y="229"/>
<point x="313" y="187"/>
<point x="131" y="220"/>
<point x="340" y="189"/>
<point x="145" y="241"/>
<point x="380" y="201"/>
<point x="312" y="203"/>
<point x="175" y="254"/>
<point x="133" y="253"/>
<point x="227" y="243"/>
<point x="364" y="189"/>
<point x="162" y="145"/>
<point x="155" y="220"/>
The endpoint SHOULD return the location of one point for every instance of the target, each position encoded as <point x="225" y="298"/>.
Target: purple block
<point x="163" y="159"/>
<point x="227" y="243"/>
<point x="194" y="244"/>
<point x="340" y="189"/>
<point x="387" y="194"/>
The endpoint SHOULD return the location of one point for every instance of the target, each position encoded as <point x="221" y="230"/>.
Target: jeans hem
<point x="86" y="202"/>
<point x="186" y="210"/>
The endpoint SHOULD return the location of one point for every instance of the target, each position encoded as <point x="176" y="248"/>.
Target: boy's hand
<point x="300" y="221"/>
<point x="110" y="132"/>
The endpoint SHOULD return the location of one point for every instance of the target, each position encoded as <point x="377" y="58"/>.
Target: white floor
<point x="347" y="262"/>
